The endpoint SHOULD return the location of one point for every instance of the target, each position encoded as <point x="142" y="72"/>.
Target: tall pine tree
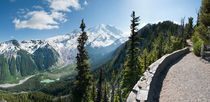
<point x="105" y="98"/>
<point x="82" y="85"/>
<point x="198" y="20"/>
<point x="144" y="59"/>
<point x="182" y="36"/>
<point x="99" y="91"/>
<point x="113" y="86"/>
<point x="94" y="92"/>
<point x="189" y="28"/>
<point x="203" y="30"/>
<point x="132" y="70"/>
<point x="118" y="97"/>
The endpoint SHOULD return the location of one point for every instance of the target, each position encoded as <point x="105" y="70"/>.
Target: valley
<point x="53" y="80"/>
<point x="104" y="39"/>
<point x="103" y="50"/>
<point x="41" y="79"/>
<point x="19" y="83"/>
<point x="62" y="49"/>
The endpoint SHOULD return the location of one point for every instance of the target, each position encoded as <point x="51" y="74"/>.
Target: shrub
<point x="197" y="48"/>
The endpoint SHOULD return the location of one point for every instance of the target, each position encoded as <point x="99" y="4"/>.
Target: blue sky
<point x="40" y="19"/>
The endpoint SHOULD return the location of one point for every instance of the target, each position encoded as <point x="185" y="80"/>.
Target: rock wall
<point x="148" y="87"/>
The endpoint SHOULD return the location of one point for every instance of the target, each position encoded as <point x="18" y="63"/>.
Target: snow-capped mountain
<point x="102" y="40"/>
<point x="26" y="58"/>
<point x="29" y="56"/>
<point x="11" y="47"/>
<point x="104" y="35"/>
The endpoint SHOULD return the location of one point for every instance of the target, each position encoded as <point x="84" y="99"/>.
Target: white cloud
<point x="38" y="7"/>
<point x="41" y="19"/>
<point x="58" y="16"/>
<point x="85" y="3"/>
<point x="36" y="20"/>
<point x="64" y="5"/>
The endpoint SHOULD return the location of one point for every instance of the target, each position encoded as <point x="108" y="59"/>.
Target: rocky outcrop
<point x="146" y="88"/>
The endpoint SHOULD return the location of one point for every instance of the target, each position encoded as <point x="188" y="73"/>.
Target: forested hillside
<point x="95" y="61"/>
<point x="153" y="35"/>
<point x="22" y="63"/>
<point x="158" y="39"/>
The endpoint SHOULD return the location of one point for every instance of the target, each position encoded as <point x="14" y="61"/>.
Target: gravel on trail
<point x="187" y="81"/>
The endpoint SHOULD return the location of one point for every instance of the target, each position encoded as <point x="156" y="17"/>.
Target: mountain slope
<point x="22" y="58"/>
<point x="149" y="33"/>
<point x="102" y="41"/>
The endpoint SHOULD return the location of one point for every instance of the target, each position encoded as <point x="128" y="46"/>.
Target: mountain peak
<point x="99" y="36"/>
<point x="12" y="46"/>
<point x="105" y="28"/>
<point x="101" y="26"/>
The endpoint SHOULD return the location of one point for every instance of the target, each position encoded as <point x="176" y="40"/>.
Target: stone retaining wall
<point x="148" y="87"/>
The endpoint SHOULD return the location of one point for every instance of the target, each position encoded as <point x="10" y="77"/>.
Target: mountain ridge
<point x="101" y="38"/>
<point x="27" y="57"/>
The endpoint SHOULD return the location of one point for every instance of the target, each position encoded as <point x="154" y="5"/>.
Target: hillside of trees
<point x="150" y="37"/>
<point x="112" y="72"/>
<point x="26" y="64"/>
<point x="113" y="81"/>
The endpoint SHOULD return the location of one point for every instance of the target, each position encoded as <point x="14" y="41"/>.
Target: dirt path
<point x="187" y="81"/>
<point x="20" y="82"/>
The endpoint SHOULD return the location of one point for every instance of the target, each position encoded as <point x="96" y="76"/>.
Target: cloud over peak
<point x="41" y="19"/>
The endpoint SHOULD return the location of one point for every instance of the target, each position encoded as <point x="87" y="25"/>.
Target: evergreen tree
<point x="167" y="48"/>
<point x="116" y="99"/>
<point x="158" y="46"/>
<point x="182" y="35"/>
<point x="189" y="28"/>
<point x="105" y="98"/>
<point x="198" y="20"/>
<point x="118" y="96"/>
<point x="154" y="55"/>
<point x="205" y="13"/>
<point x="113" y="86"/>
<point x="82" y="85"/>
<point x="175" y="43"/>
<point x="144" y="60"/>
<point x="203" y="30"/>
<point x="132" y="70"/>
<point x="94" y="91"/>
<point x="99" y="91"/>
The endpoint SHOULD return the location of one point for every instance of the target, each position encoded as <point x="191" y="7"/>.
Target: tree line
<point x="137" y="59"/>
<point x="143" y="48"/>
